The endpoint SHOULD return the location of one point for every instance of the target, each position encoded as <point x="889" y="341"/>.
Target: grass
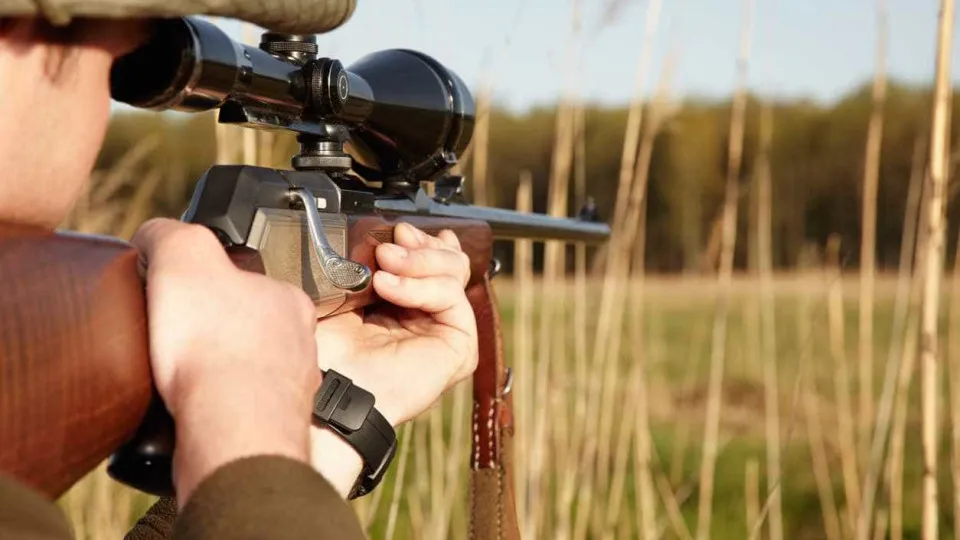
<point x="676" y="313"/>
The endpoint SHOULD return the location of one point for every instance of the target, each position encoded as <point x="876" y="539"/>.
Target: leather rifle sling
<point x="492" y="503"/>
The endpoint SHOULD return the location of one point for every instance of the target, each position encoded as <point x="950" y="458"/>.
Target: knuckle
<point x="153" y="223"/>
<point x="421" y="259"/>
<point x="185" y="238"/>
<point x="465" y="261"/>
<point x="195" y="236"/>
<point x="451" y="238"/>
<point x="452" y="285"/>
<point x="149" y="230"/>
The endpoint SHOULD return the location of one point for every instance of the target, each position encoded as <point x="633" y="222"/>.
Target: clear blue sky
<point x="814" y="48"/>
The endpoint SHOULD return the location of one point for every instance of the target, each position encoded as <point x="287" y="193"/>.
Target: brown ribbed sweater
<point x="253" y="498"/>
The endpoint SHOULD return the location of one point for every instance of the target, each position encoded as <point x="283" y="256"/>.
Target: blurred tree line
<point x="817" y="166"/>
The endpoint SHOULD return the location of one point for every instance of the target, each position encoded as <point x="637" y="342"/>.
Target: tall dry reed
<point x="895" y="355"/>
<point x="768" y="350"/>
<point x="902" y="348"/>
<point x="868" y="240"/>
<point x="718" y="343"/>
<point x="812" y="420"/>
<point x="523" y="351"/>
<point x="481" y="144"/>
<point x="751" y="488"/>
<point x="933" y="270"/>
<point x="610" y="309"/>
<point x="846" y="436"/>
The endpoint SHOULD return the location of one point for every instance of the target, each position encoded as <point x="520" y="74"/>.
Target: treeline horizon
<point x="817" y="160"/>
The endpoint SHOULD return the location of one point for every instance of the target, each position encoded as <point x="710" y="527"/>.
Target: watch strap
<point x="349" y="411"/>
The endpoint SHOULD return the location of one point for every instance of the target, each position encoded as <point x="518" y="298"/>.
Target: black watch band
<point x="348" y="410"/>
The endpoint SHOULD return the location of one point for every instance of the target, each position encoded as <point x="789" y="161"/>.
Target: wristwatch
<point x="348" y="411"/>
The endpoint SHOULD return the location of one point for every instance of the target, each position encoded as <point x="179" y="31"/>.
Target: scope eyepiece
<point x="408" y="117"/>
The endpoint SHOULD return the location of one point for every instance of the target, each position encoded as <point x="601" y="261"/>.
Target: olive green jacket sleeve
<point x="25" y="514"/>
<point x="252" y="498"/>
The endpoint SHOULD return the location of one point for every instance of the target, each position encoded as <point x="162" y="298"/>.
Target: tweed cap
<point x="290" y="16"/>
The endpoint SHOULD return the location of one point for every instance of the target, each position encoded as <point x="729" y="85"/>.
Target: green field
<point x="561" y="497"/>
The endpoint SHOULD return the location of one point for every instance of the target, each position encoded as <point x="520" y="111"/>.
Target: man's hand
<point x="409" y="351"/>
<point x="406" y="353"/>
<point x="232" y="353"/>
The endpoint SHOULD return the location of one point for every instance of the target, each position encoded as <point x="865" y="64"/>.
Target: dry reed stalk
<point x="845" y="427"/>
<point x="139" y="206"/>
<point x="880" y="532"/>
<point x="684" y="422"/>
<point x="933" y="270"/>
<point x="456" y="456"/>
<point x="718" y="343"/>
<point x="637" y="398"/>
<point x="751" y="488"/>
<point x="777" y="482"/>
<point x="405" y="436"/>
<point x="953" y="367"/>
<point x="550" y="351"/>
<point x="98" y="211"/>
<point x="607" y="321"/>
<point x="523" y="349"/>
<point x="629" y="408"/>
<point x="420" y="494"/>
<point x="610" y="318"/>
<point x="910" y="353"/>
<point x="552" y="348"/>
<point x="868" y="240"/>
<point x="580" y="306"/>
<point x="811" y="407"/>
<point x="904" y="380"/>
<point x="585" y="492"/>
<point x="768" y="354"/>
<point x="568" y="430"/>
<point x="580" y="255"/>
<point x="570" y="478"/>
<point x="437" y="481"/>
<point x="895" y="354"/>
<point x="97" y="507"/>
<point x="750" y="359"/>
<point x="684" y="492"/>
<point x="122" y="172"/>
<point x="631" y="247"/>
<point x="672" y="507"/>
<point x="681" y="497"/>
<point x="481" y="141"/>
<point x="631" y="139"/>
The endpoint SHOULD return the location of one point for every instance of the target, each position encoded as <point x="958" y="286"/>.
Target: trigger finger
<point x="439" y="296"/>
<point x="424" y="262"/>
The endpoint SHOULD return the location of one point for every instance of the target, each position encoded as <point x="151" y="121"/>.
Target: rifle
<point x="75" y="385"/>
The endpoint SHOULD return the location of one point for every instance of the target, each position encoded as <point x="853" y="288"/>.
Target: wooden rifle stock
<point x="74" y="363"/>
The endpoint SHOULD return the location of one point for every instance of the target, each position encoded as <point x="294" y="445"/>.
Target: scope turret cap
<point x="287" y="16"/>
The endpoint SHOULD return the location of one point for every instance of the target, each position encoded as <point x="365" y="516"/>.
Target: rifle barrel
<point x="506" y="224"/>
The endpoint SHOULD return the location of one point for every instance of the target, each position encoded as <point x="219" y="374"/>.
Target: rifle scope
<point x="407" y="117"/>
